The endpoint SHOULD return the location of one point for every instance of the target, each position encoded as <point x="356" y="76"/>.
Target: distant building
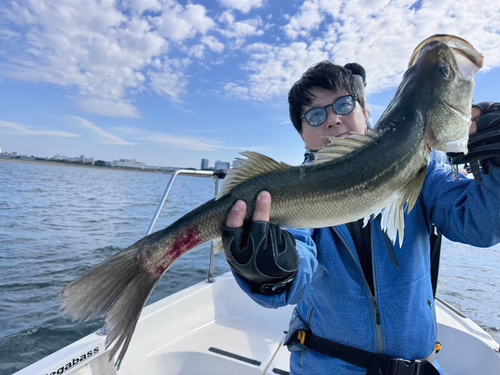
<point x="222" y="165"/>
<point x="84" y="160"/>
<point x="81" y="159"/>
<point x="204" y="163"/>
<point x="168" y="169"/>
<point x="129" y="163"/>
<point x="237" y="163"/>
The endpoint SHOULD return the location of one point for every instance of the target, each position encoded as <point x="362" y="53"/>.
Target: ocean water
<point x="56" y="222"/>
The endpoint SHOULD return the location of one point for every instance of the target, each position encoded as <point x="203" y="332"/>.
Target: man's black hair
<point x="327" y="76"/>
<point x="357" y="69"/>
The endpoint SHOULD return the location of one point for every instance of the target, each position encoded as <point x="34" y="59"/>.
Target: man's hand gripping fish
<point x="352" y="178"/>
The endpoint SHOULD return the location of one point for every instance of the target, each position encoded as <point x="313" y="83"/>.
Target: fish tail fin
<point x="117" y="290"/>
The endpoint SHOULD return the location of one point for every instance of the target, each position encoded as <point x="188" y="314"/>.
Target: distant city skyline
<point x="124" y="162"/>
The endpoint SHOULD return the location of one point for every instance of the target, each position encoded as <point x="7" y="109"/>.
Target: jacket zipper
<point x="373" y="297"/>
<point x="378" y="323"/>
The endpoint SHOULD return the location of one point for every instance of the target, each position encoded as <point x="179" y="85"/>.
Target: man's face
<point x="335" y="125"/>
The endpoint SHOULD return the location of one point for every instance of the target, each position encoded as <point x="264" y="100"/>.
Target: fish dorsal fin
<point x="338" y="148"/>
<point x="392" y="220"/>
<point x="255" y="165"/>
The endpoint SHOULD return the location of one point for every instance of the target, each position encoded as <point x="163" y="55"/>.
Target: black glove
<point x="263" y="254"/>
<point x="484" y="145"/>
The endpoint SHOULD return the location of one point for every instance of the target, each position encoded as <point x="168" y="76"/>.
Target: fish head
<point x="447" y="65"/>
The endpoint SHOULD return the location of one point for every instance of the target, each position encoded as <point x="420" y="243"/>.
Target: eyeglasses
<point x="342" y="107"/>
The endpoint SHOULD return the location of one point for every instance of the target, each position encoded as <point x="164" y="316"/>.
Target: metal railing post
<point x="167" y="191"/>
<point x="217" y="176"/>
<point x="211" y="267"/>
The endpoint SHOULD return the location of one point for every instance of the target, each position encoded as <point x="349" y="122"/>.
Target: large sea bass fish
<point x="381" y="171"/>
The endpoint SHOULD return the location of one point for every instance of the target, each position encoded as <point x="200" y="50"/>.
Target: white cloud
<point x="198" y="51"/>
<point x="10" y="128"/>
<point x="169" y="80"/>
<point x="18" y="14"/>
<point x="102" y="51"/>
<point x="185" y="143"/>
<point x="240" y="30"/>
<point x="385" y="56"/>
<point x="108" y="138"/>
<point x="380" y="35"/>
<point x="140" y="6"/>
<point x="213" y="43"/>
<point x="106" y="52"/>
<point x="309" y="18"/>
<point x="276" y="69"/>
<point x="182" y="142"/>
<point x="243" y="6"/>
<point x="178" y="23"/>
<point x="109" y="108"/>
<point x="235" y="91"/>
<point x="91" y="46"/>
<point x="179" y="142"/>
<point x="9" y="34"/>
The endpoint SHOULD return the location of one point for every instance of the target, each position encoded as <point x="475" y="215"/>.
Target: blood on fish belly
<point x="187" y="240"/>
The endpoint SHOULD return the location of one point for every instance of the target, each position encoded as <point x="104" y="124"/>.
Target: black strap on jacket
<point x="435" y="238"/>
<point x="376" y="364"/>
<point x="362" y="238"/>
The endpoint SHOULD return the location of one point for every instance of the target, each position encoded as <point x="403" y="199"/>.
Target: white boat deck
<point x="234" y="333"/>
<point x="214" y="328"/>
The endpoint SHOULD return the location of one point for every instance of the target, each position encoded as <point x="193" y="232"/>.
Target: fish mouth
<point x="458" y="112"/>
<point x="468" y="59"/>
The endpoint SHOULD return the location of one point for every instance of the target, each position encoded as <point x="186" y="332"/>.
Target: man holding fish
<point x="365" y="301"/>
<point x="362" y="288"/>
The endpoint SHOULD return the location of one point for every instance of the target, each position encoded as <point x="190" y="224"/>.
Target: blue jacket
<point x="334" y="299"/>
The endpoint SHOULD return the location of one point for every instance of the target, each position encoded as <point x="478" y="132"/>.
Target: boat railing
<point x="216" y="175"/>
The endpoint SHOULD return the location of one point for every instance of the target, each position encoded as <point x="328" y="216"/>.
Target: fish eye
<point x="446" y="71"/>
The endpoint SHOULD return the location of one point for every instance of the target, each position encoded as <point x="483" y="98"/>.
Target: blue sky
<point x="171" y="82"/>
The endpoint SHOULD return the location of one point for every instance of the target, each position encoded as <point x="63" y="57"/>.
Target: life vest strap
<point x="375" y="363"/>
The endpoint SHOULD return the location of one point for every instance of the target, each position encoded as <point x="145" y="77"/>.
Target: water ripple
<point x="59" y="222"/>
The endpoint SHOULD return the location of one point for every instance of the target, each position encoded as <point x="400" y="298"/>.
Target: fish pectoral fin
<point x="255" y="165"/>
<point x="412" y="190"/>
<point x="393" y="221"/>
<point x="338" y="148"/>
<point x="217" y="246"/>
